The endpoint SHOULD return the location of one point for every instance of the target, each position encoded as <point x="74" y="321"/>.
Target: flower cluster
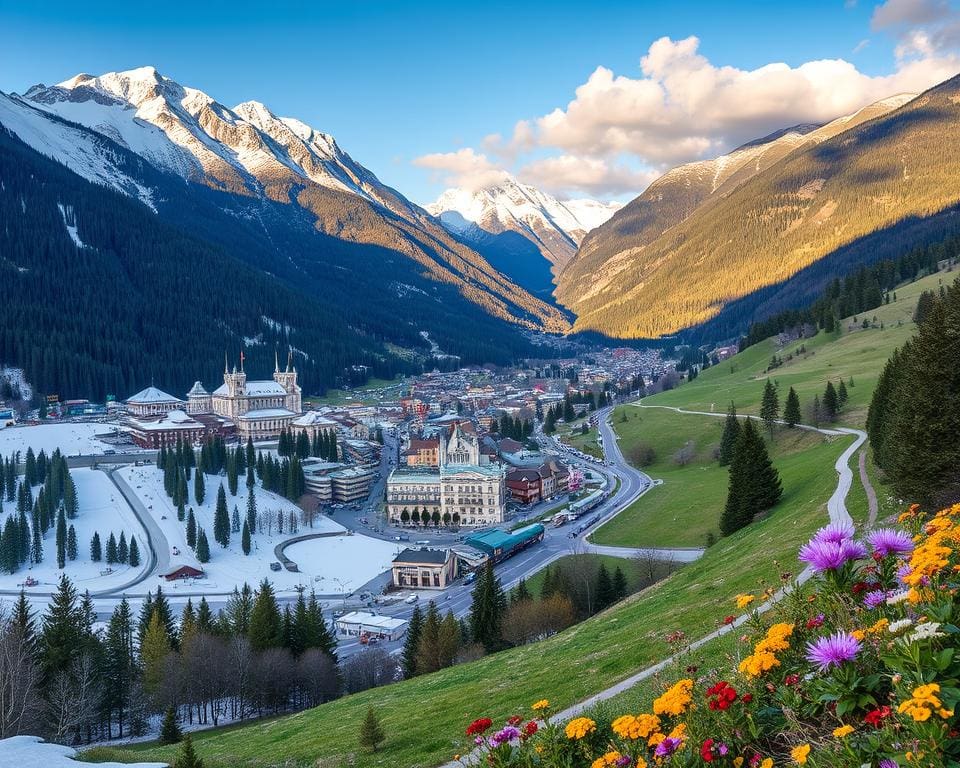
<point x="860" y="667"/>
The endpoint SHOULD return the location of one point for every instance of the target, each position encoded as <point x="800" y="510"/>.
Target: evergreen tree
<point x="770" y="406"/>
<point x="134" y="554"/>
<point x="36" y="543"/>
<point x="61" y="539"/>
<point x="10" y="546"/>
<point x="842" y="393"/>
<point x="604" y="591"/>
<point x="520" y="592"/>
<point x="232" y="478"/>
<point x="199" y="487"/>
<point x="192" y="528"/>
<point x="123" y="553"/>
<point x="235" y="520"/>
<point x="96" y="551"/>
<point x="62" y="636"/>
<point x="153" y="650"/>
<point x="111" y="549"/>
<point x="203" y="547"/>
<point x="830" y="402"/>
<point x="69" y="493"/>
<point x="754" y="484"/>
<point x="119" y="668"/>
<point x="791" y="409"/>
<point x="408" y="658"/>
<point x="245" y="538"/>
<point x="428" y="647"/>
<point x="265" y="620"/>
<point x="72" y="543"/>
<point x="251" y="511"/>
<point x="188" y="757"/>
<point x="731" y="430"/>
<point x="619" y="584"/>
<point x="487" y="609"/>
<point x="170" y="729"/>
<point x="448" y="641"/>
<point x="221" y="520"/>
<point x="372" y="734"/>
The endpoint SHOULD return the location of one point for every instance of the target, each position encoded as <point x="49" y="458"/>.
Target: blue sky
<point x="395" y="81"/>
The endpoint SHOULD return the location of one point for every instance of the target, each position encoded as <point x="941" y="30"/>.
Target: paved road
<point x="837" y="513"/>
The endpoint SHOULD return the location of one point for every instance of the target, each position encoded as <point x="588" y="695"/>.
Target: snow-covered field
<point x="70" y="438"/>
<point x="101" y="509"/>
<point x="329" y="565"/>
<point x="342" y="563"/>
<point x="32" y="752"/>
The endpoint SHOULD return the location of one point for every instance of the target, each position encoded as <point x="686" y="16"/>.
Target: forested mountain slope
<point x="686" y="254"/>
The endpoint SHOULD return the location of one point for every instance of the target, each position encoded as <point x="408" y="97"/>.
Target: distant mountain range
<point x="266" y="193"/>
<point x="719" y="243"/>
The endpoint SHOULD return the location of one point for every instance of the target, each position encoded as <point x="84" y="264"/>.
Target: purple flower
<point x="666" y="747"/>
<point x="831" y="555"/>
<point x="888" y="763"/>
<point x="874" y="598"/>
<point x="623" y="761"/>
<point x="890" y="541"/>
<point x="834" y="533"/>
<point x="508" y="733"/>
<point x="833" y="650"/>
<point x="722" y="749"/>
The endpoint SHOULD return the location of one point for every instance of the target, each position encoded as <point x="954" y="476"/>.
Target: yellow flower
<point x="640" y="763"/>
<point x="859" y="634"/>
<point x="737" y="762"/>
<point x="679" y="731"/>
<point x="758" y="663"/>
<point x="799" y="754"/>
<point x="655" y="738"/>
<point x="744" y="600"/>
<point x="843" y="731"/>
<point x="610" y="758"/>
<point x="767" y="763"/>
<point x="580" y="727"/>
<point x="639" y="727"/>
<point x="540" y="705"/>
<point x="675" y="700"/>
<point x="877" y="628"/>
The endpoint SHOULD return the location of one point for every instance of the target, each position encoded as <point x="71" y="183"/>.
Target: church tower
<point x="235" y="381"/>
<point x="288" y="380"/>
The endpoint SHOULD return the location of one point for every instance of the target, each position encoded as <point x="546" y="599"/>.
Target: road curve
<point x="837" y="513"/>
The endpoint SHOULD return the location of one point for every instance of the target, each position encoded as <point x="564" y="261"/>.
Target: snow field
<point x="33" y="752"/>
<point x="70" y="438"/>
<point x="342" y="564"/>
<point x="102" y="509"/>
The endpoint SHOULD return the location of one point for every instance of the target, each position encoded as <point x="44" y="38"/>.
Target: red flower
<point x="479" y="726"/>
<point x="530" y="728"/>
<point x="815" y="622"/>
<point x="706" y="751"/>
<point x="722" y="695"/>
<point x="791" y="679"/>
<point x="729" y="619"/>
<point x="875" y="716"/>
<point x="747" y="698"/>
<point x="514" y="720"/>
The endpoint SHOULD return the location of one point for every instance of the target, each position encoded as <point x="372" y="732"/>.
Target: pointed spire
<point x="226" y="367"/>
<point x="276" y="361"/>
<point x="289" y="359"/>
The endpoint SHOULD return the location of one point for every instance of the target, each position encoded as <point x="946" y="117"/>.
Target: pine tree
<point x="36" y="543"/>
<point x="203" y="547"/>
<point x="221" y="520"/>
<point x="251" y="511"/>
<point x="842" y="394"/>
<point x="191" y="529"/>
<point x="69" y="494"/>
<point x="134" y="555"/>
<point x="371" y="731"/>
<point x="187" y="757"/>
<point x="96" y="551"/>
<point x="520" y="592"/>
<point x="791" y="409"/>
<point x="265" y="620"/>
<point x="245" y="538"/>
<point x="770" y="406"/>
<point x="604" y="591"/>
<point x="61" y="539"/>
<point x="487" y="609"/>
<point x="153" y="650"/>
<point x="123" y="554"/>
<point x="448" y="641"/>
<point x="754" y="484"/>
<point x="170" y="729"/>
<point x="731" y="430"/>
<point x="235" y="520"/>
<point x="428" y="647"/>
<point x="619" y="584"/>
<point x="199" y="488"/>
<point x="72" y="543"/>
<point x="112" y="554"/>
<point x="831" y="403"/>
<point x="232" y="477"/>
<point x="408" y="658"/>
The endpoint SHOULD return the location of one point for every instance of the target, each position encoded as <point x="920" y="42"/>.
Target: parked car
<point x="412" y="599"/>
<point x="275" y="566"/>
<point x="471" y="577"/>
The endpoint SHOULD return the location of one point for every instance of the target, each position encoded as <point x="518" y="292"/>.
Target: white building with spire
<point x="260" y="409"/>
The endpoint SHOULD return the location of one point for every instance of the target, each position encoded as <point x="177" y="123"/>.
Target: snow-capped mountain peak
<point x="555" y="227"/>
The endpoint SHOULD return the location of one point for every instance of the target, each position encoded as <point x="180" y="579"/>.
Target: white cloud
<point x="618" y="131"/>
<point x="463" y="168"/>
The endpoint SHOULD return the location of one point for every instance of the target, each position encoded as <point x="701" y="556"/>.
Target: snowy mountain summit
<point x="554" y="227"/>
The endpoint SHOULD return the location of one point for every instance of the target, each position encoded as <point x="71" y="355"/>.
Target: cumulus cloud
<point x="618" y="131"/>
<point x="463" y="168"/>
<point x="684" y="107"/>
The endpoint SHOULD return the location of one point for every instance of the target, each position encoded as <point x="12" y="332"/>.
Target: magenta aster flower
<point x="890" y="541"/>
<point x="831" y="555"/>
<point x="833" y="651"/>
<point x="666" y="747"/>
<point x="888" y="763"/>
<point x="509" y="733"/>
<point x="834" y="533"/>
<point x="874" y="598"/>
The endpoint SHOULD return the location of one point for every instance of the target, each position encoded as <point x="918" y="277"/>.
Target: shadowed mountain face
<point x="249" y="152"/>
<point x="709" y="233"/>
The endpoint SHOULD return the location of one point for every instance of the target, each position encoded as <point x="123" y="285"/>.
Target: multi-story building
<point x="424" y="568"/>
<point x="465" y="489"/>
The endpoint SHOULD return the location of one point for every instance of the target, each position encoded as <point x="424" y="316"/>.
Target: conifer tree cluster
<point x="754" y="484"/>
<point x="298" y="443"/>
<point x="914" y="415"/>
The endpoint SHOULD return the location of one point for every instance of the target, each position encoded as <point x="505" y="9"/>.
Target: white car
<point x="412" y="599"/>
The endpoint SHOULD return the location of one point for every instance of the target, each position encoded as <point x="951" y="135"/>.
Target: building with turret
<point x="260" y="409"/>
